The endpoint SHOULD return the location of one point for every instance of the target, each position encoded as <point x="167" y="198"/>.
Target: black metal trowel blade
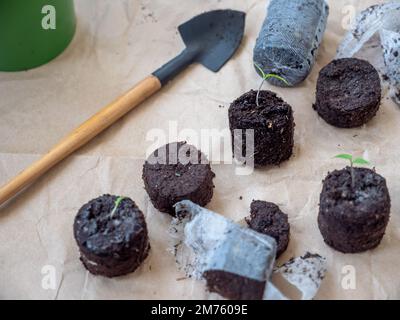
<point x="211" y="39"/>
<point x="216" y="35"/>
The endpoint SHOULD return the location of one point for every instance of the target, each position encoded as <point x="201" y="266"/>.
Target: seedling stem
<point x="266" y="76"/>
<point x="116" y="205"/>
<point x="353" y="161"/>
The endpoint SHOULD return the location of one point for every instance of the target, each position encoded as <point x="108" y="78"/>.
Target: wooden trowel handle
<point x="85" y="132"/>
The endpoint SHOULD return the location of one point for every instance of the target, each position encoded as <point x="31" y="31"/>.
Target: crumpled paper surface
<point x="118" y="43"/>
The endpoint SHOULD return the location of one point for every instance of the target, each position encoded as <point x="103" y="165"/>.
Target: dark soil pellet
<point x="267" y="218"/>
<point x="348" y="93"/>
<point x="273" y="125"/>
<point x="353" y="218"/>
<point x="184" y="174"/>
<point x="111" y="243"/>
<point x="233" y="286"/>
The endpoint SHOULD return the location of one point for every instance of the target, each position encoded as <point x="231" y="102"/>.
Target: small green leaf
<point x="261" y="70"/>
<point x="116" y="205"/>
<point x="271" y="75"/>
<point x="360" y="161"/>
<point x="344" y="156"/>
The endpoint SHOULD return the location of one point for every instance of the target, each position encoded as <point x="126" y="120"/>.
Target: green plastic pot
<point x="33" y="32"/>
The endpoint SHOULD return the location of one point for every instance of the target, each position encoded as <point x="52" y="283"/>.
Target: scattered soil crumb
<point x="180" y="279"/>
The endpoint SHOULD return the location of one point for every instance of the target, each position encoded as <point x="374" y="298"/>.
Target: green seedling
<point x="116" y="205"/>
<point x="265" y="77"/>
<point x="353" y="161"/>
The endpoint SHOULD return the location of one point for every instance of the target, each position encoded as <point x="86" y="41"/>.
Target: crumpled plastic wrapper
<point x="204" y="241"/>
<point x="305" y="273"/>
<point x="290" y="37"/>
<point x="391" y="53"/>
<point x="376" y="31"/>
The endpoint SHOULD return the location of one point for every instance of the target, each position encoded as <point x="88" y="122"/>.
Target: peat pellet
<point x="111" y="234"/>
<point x="273" y="124"/>
<point x="233" y="286"/>
<point x="267" y="218"/>
<point x="348" y="93"/>
<point x="353" y="212"/>
<point x="176" y="172"/>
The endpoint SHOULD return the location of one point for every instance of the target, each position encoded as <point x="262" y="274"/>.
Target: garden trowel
<point x="210" y="38"/>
